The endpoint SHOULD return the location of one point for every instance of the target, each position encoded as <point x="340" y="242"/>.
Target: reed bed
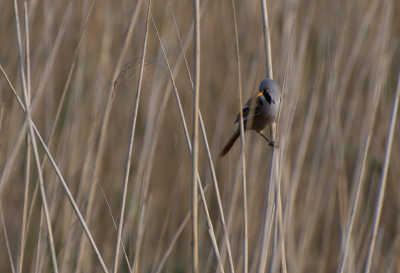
<point x="113" y="113"/>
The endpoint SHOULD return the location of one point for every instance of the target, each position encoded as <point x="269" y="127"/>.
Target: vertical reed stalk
<point x="195" y="144"/>
<point x="382" y="185"/>
<point x="128" y="159"/>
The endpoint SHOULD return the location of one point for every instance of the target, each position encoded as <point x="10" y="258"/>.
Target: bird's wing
<point x="251" y="108"/>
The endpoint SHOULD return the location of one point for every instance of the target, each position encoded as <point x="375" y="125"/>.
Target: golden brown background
<point x="341" y="54"/>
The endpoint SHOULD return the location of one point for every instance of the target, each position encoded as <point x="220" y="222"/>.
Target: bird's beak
<point x="260" y="94"/>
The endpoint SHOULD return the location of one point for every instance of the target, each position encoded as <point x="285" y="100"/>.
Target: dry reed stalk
<point x="144" y="202"/>
<point x="356" y="201"/>
<point x="367" y="132"/>
<point x="208" y="219"/>
<point x="336" y="68"/>
<point x="34" y="146"/>
<point x="26" y="222"/>
<point x="209" y="223"/>
<point x="284" y="139"/>
<point x="104" y="123"/>
<point x="274" y="159"/>
<point x="61" y="103"/>
<point x="24" y="211"/>
<point x="195" y="130"/>
<point x="174" y="239"/>
<point x="210" y="161"/>
<point x="245" y="245"/>
<point x="6" y="239"/>
<point x="59" y="175"/>
<point x="157" y="256"/>
<point x="53" y="54"/>
<point x="310" y="209"/>
<point x="298" y="73"/>
<point x="40" y="245"/>
<point x="34" y="103"/>
<point x="128" y="160"/>
<point x="382" y="184"/>
<point x="300" y="156"/>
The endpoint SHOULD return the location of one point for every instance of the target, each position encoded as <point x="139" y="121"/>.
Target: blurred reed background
<point x="343" y="60"/>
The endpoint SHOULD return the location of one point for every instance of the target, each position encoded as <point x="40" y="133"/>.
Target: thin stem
<point x="24" y="213"/>
<point x="211" y="165"/>
<point x="128" y="160"/>
<point x="105" y="120"/>
<point x="267" y="39"/>
<point x="382" y="187"/>
<point x="210" y="228"/>
<point x="360" y="183"/>
<point x="274" y="159"/>
<point x="64" y="184"/>
<point x="243" y="165"/>
<point x="195" y="146"/>
<point x="34" y="146"/>
<point x="6" y="239"/>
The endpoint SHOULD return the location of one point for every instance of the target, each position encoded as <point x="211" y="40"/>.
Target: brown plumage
<point x="230" y="143"/>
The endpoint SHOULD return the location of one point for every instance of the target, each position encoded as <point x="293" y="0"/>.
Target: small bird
<point x="259" y="112"/>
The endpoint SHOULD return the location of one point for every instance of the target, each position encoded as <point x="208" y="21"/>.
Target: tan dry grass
<point x="342" y="53"/>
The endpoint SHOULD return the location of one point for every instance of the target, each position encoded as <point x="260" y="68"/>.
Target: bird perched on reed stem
<point x="259" y="112"/>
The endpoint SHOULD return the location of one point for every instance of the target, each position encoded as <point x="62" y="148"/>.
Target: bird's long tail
<point x="230" y="143"/>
